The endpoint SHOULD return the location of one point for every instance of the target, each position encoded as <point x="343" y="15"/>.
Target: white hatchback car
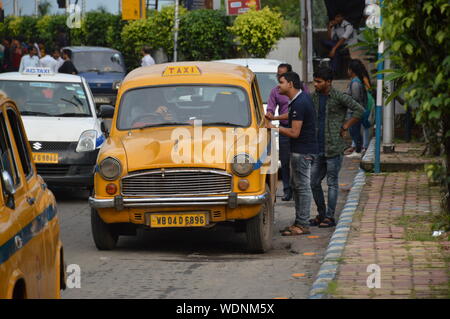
<point x="61" y="123"/>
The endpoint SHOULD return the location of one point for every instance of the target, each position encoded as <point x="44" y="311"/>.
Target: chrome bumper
<point x="232" y="200"/>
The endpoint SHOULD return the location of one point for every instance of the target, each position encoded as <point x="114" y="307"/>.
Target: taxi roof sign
<point x="38" y="71"/>
<point x="181" y="70"/>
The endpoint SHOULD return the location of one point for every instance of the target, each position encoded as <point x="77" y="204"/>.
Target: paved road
<point x="192" y="263"/>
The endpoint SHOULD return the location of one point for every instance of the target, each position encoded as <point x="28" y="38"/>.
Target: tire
<point x="259" y="228"/>
<point x="104" y="237"/>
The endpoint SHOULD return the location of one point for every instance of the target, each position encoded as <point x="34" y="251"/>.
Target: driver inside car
<point x="152" y="109"/>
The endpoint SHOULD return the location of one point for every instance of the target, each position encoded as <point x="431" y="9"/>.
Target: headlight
<point x="87" y="141"/>
<point x="116" y="85"/>
<point x="110" y="168"/>
<point x="242" y="165"/>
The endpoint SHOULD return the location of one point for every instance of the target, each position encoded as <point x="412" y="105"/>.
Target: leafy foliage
<point x="164" y="22"/>
<point x="135" y="35"/>
<point x="419" y="35"/>
<point x="257" y="32"/>
<point x="48" y="27"/>
<point x="203" y="35"/>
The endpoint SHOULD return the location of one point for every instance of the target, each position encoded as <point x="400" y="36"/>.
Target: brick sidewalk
<point x="392" y="228"/>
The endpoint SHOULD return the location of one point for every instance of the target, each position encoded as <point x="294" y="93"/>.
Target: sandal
<point x="288" y="228"/>
<point x="297" y="230"/>
<point x="327" y="222"/>
<point x="315" y="221"/>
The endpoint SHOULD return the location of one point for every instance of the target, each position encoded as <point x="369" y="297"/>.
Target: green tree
<point x="256" y="32"/>
<point x="419" y="35"/>
<point x="203" y="35"/>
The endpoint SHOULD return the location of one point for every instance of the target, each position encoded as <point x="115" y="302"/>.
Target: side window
<point x="21" y="141"/>
<point x="256" y="102"/>
<point x="7" y="162"/>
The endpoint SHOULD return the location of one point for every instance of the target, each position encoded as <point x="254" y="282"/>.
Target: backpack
<point x="368" y="116"/>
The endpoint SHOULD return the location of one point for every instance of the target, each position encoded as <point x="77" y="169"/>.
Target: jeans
<point x="355" y="133"/>
<point x="336" y="61"/>
<point x="366" y="137"/>
<point x="329" y="166"/>
<point x="300" y="181"/>
<point x="285" y="152"/>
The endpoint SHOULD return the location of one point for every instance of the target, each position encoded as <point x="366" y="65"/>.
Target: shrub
<point x="257" y="31"/>
<point x="203" y="35"/>
<point x="135" y="35"/>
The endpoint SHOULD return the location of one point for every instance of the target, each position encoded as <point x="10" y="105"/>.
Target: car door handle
<point x="31" y="200"/>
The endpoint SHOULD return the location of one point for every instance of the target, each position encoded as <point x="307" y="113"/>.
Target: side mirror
<point x="9" y="183"/>
<point x="106" y="111"/>
<point x="115" y="58"/>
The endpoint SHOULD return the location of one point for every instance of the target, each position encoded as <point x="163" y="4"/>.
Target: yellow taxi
<point x="187" y="148"/>
<point x="31" y="253"/>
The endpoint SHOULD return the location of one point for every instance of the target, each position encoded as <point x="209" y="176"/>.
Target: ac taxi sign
<point x="181" y="70"/>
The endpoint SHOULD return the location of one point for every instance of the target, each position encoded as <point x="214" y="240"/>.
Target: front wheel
<point x="104" y="236"/>
<point x="259" y="228"/>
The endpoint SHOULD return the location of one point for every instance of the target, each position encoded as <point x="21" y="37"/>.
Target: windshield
<point x="181" y="105"/>
<point x="266" y="82"/>
<point x="48" y="98"/>
<point x="98" y="62"/>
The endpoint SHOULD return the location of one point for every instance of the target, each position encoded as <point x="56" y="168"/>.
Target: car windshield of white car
<point x="55" y="99"/>
<point x="183" y="105"/>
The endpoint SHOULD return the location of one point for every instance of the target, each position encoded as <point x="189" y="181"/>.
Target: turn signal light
<point x="243" y="184"/>
<point x="111" y="189"/>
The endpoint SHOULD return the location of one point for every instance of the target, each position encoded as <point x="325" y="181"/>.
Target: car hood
<point x="56" y="129"/>
<point x="93" y="78"/>
<point x="152" y="148"/>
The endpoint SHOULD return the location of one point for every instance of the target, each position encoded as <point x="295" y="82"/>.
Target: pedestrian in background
<point x="29" y="60"/>
<point x="47" y="61"/>
<point x="331" y="107"/>
<point x="57" y="56"/>
<point x="280" y="101"/>
<point x="147" y="58"/>
<point x="303" y="148"/>
<point x="16" y="55"/>
<point x="67" y="66"/>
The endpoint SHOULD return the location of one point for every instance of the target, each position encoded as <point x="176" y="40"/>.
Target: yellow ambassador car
<point x="187" y="148"/>
<point x="31" y="253"/>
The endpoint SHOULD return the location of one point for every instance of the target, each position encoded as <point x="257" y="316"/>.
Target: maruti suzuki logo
<point x="37" y="146"/>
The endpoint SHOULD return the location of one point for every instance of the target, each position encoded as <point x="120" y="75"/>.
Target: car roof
<point x="90" y="49"/>
<point x="56" y="77"/>
<point x="256" y="65"/>
<point x="220" y="72"/>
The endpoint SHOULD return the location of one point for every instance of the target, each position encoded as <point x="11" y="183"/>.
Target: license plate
<point x="48" y="158"/>
<point x="101" y="99"/>
<point x="179" y="220"/>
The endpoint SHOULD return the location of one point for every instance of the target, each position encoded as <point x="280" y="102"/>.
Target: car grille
<point x="51" y="170"/>
<point x="37" y="146"/>
<point x="176" y="182"/>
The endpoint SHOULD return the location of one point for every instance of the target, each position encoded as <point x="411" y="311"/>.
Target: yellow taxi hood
<point x="187" y="146"/>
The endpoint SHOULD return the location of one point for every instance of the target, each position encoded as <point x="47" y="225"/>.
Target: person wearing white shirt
<point x="57" y="57"/>
<point x="147" y="59"/>
<point x="48" y="62"/>
<point x="29" y="60"/>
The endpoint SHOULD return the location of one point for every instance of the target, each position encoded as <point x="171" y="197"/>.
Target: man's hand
<point x="269" y="125"/>
<point x="332" y="53"/>
<point x="343" y="132"/>
<point x="269" y="116"/>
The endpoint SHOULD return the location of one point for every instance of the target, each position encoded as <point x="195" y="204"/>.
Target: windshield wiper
<point x="160" y="124"/>
<point x="76" y="98"/>
<point x="35" y="113"/>
<point x="72" y="115"/>
<point x="222" y="123"/>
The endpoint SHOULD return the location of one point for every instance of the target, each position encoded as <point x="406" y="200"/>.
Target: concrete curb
<point x="329" y="268"/>
<point x="367" y="162"/>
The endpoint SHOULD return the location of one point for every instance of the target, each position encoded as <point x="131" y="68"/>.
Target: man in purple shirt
<point x="282" y="102"/>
